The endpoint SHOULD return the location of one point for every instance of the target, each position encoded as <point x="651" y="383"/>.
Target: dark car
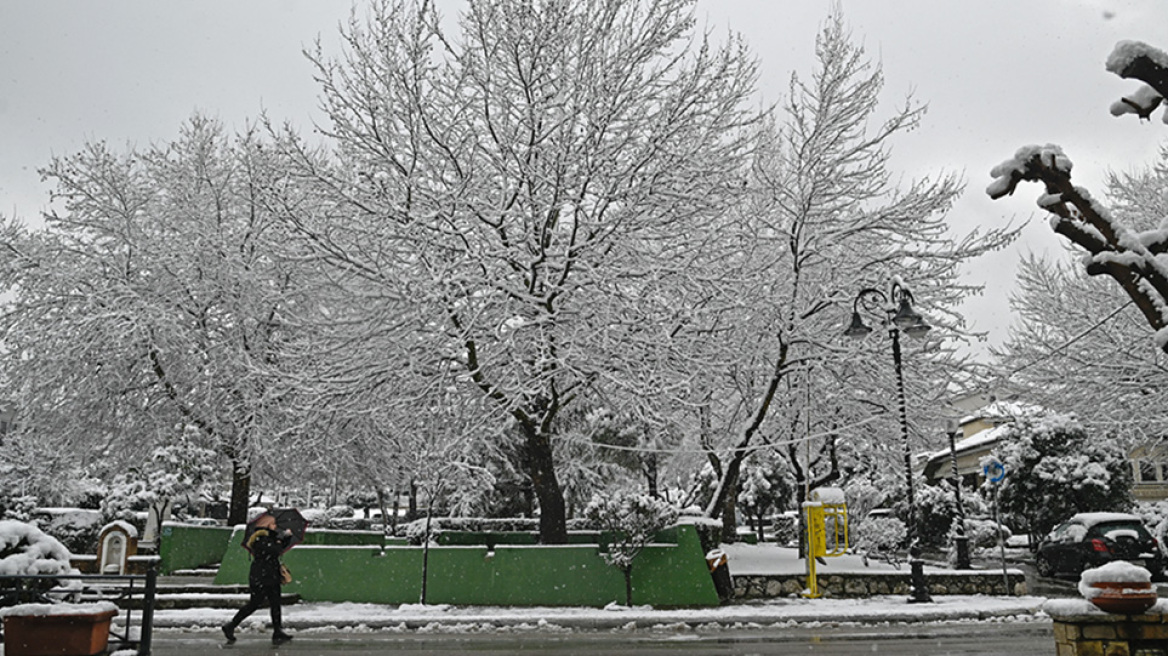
<point x="1089" y="540"/>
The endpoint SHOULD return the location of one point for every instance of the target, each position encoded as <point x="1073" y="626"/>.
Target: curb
<point x="626" y="619"/>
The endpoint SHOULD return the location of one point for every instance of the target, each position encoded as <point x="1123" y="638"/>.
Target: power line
<point x="1050" y="354"/>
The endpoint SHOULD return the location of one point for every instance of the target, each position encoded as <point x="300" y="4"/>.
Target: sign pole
<point x="994" y="473"/>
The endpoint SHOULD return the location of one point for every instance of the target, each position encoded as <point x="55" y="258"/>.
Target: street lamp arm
<point x="869" y="291"/>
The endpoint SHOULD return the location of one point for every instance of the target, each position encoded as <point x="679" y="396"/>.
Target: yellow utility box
<point x="826" y="513"/>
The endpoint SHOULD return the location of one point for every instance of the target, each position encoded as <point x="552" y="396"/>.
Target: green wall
<point x="183" y="546"/>
<point x="511" y="575"/>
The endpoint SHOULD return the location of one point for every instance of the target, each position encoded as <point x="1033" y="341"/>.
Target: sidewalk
<point x="782" y="611"/>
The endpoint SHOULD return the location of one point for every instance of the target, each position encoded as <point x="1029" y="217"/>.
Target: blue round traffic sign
<point x="994" y="471"/>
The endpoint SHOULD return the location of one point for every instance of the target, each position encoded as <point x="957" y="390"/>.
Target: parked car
<point x="1088" y="540"/>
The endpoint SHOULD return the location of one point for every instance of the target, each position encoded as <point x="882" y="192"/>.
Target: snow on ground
<point x="876" y="610"/>
<point x="773" y="559"/>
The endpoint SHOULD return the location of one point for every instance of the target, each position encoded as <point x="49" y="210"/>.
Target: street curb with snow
<point x="789" y="611"/>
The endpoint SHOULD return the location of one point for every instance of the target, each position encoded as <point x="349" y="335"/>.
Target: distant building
<point x="1150" y="472"/>
<point x="978" y="434"/>
<point x="980" y="431"/>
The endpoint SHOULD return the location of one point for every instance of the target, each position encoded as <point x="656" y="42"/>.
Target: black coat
<point x="266" y="548"/>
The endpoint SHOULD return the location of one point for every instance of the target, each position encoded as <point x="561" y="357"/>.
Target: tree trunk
<point x="649" y="467"/>
<point x="730" y="514"/>
<point x="553" y="521"/>
<point x="240" y="493"/>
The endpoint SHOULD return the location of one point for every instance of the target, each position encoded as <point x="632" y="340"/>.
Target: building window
<point x="1149" y="471"/>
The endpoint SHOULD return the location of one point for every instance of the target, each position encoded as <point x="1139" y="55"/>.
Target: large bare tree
<point x="823" y="218"/>
<point x="510" y="194"/>
<point x="150" y="302"/>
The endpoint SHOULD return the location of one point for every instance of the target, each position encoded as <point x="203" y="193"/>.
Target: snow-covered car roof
<point x="1092" y="518"/>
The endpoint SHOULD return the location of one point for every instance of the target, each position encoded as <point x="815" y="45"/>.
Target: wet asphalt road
<point x="956" y="639"/>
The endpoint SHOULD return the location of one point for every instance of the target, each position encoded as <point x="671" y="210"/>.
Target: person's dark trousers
<point x="269" y="594"/>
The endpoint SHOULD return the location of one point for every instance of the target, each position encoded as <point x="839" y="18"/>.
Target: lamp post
<point x="899" y="316"/>
<point x="959" y="538"/>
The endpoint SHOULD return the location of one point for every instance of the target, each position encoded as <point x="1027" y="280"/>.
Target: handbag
<point x="285" y="574"/>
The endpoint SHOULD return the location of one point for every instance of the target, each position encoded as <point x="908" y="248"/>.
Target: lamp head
<point x="918" y="329"/>
<point x="858" y="329"/>
<point x="906" y="317"/>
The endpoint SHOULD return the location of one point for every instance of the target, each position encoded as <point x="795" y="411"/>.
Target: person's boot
<point x="229" y="632"/>
<point x="279" y="637"/>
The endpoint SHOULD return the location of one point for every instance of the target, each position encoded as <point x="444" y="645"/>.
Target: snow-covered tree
<point x="821" y="217"/>
<point x="1055" y="468"/>
<point x="631" y="520"/>
<point x="175" y="472"/>
<point x="1130" y="256"/>
<point x="517" y="198"/>
<point x="766" y="487"/>
<point x="1079" y="341"/>
<point x="150" y="299"/>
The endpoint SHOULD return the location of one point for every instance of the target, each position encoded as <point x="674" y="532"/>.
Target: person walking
<point x="263" y="579"/>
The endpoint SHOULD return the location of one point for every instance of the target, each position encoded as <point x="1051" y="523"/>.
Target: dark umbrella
<point x="286" y="519"/>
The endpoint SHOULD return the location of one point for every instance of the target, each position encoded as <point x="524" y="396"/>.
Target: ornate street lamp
<point x="899" y="316"/>
<point x="959" y="538"/>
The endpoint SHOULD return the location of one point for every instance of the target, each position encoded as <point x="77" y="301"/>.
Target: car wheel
<point x="1045" y="569"/>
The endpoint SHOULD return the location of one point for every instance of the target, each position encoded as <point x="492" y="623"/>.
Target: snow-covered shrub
<point x="786" y="529"/>
<point x="879" y="536"/>
<point x="1155" y="517"/>
<point x="339" y="512"/>
<point x="415" y="531"/>
<point x="318" y="517"/>
<point x="766" y="486"/>
<point x="18" y="507"/>
<point x="1056" y="468"/>
<point x="633" y="520"/>
<point x="984" y="533"/>
<point x="173" y="474"/>
<point x="27" y="550"/>
<point x="76" y="528"/>
<point x="936" y="508"/>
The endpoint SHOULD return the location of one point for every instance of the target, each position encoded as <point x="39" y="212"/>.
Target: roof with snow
<point x="987" y="437"/>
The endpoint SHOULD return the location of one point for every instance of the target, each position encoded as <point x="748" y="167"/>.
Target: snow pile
<point x="45" y="610"/>
<point x="832" y="495"/>
<point x="25" y="549"/>
<point x="1117" y="571"/>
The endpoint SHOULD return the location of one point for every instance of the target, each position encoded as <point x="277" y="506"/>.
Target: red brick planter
<point x="81" y="634"/>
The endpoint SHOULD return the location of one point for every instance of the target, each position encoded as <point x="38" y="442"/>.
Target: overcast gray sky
<point x="996" y="74"/>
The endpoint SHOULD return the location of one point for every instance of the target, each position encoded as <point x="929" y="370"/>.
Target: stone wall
<point x="765" y="586"/>
<point x="1081" y="629"/>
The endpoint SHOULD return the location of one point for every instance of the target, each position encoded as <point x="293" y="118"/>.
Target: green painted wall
<point x="334" y="537"/>
<point x="565" y="575"/>
<point x="182" y="546"/>
<point x="236" y="562"/>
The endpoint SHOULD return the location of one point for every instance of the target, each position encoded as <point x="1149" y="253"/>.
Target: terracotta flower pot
<point x="1124" y="597"/>
<point x="82" y="634"/>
